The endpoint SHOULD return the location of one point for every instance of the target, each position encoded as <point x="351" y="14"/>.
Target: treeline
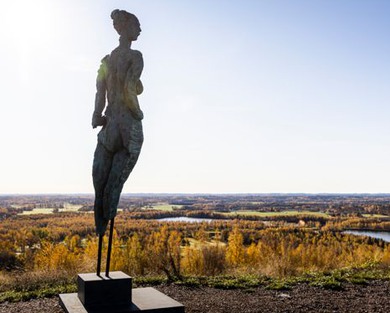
<point x="357" y="224"/>
<point x="66" y="242"/>
<point x="335" y="205"/>
<point x="310" y="220"/>
<point x="275" y="252"/>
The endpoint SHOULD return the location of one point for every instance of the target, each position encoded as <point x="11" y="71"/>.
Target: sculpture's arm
<point x="134" y="86"/>
<point x="137" y="66"/>
<point x="100" y="98"/>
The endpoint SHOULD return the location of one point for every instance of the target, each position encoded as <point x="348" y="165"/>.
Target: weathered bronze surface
<point x="120" y="140"/>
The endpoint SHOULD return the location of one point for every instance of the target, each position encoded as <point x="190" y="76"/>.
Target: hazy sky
<point x="240" y="95"/>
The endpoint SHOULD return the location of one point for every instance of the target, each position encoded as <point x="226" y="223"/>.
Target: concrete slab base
<point x="147" y="300"/>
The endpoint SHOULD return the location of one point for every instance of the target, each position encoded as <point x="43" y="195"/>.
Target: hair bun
<point x="122" y="19"/>
<point x="114" y="14"/>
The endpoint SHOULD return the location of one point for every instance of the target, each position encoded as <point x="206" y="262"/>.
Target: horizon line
<point x="198" y="193"/>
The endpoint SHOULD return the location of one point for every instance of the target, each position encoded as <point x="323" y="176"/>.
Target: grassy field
<point x="283" y="213"/>
<point x="30" y="286"/>
<point x="67" y="208"/>
<point x="164" y="207"/>
<point x="39" y="211"/>
<point x="376" y="215"/>
<point x="198" y="244"/>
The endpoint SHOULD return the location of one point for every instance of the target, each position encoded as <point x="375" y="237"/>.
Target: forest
<point x="277" y="237"/>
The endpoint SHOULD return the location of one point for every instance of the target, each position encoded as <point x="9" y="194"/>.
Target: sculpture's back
<point x="121" y="138"/>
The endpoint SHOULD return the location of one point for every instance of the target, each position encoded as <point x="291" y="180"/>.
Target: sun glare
<point x="30" y="27"/>
<point x="29" y="22"/>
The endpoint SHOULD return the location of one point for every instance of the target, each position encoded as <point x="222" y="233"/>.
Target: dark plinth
<point x="98" y="292"/>
<point x="146" y="300"/>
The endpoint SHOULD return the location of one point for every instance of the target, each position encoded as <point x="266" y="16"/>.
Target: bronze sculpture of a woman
<point x="120" y="140"/>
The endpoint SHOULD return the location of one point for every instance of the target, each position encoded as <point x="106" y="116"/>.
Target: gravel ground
<point x="374" y="297"/>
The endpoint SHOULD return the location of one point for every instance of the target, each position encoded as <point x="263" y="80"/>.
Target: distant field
<point x="39" y="211"/>
<point x="164" y="207"/>
<point x="283" y="213"/>
<point x="67" y="208"/>
<point x="70" y="207"/>
<point x="198" y="244"/>
<point x="376" y="215"/>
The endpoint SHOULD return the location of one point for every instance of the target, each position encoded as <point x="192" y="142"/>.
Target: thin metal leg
<point x="99" y="261"/>
<point x="109" y="248"/>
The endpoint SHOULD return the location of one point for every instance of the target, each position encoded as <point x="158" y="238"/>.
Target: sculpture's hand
<point x="98" y="120"/>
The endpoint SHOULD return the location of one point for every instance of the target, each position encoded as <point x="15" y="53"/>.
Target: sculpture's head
<point x="126" y="24"/>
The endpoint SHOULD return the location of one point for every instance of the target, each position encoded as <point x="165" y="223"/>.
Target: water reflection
<point x="373" y="234"/>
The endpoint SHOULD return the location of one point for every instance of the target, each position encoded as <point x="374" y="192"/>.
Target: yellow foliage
<point x="57" y="257"/>
<point x="235" y="253"/>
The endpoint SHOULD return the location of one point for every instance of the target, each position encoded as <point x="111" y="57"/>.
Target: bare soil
<point x="374" y="297"/>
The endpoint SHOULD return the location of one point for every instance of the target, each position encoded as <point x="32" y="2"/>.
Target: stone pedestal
<point x="99" y="291"/>
<point x="100" y="294"/>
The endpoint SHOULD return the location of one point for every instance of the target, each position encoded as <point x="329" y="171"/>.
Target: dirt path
<point x="374" y="297"/>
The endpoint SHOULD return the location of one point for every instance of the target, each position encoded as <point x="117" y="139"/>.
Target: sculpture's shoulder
<point x="136" y="55"/>
<point x="105" y="59"/>
<point x="103" y="69"/>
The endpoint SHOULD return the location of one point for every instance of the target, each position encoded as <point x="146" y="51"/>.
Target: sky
<point x="241" y="96"/>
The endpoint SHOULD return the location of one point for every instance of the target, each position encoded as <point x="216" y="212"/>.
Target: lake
<point x="384" y="235"/>
<point x="185" y="219"/>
